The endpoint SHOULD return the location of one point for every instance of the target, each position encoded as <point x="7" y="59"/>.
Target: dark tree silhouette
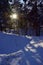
<point x="4" y="14"/>
<point x="33" y="17"/>
<point x="25" y="1"/>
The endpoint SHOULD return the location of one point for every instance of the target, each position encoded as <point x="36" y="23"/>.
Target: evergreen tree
<point x="4" y="14"/>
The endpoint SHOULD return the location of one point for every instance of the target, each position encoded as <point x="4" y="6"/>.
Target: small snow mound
<point x="29" y="37"/>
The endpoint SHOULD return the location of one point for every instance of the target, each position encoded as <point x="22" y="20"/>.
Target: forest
<point x="23" y="18"/>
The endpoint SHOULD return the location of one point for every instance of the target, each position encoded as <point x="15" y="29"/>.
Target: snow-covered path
<point x="20" y="50"/>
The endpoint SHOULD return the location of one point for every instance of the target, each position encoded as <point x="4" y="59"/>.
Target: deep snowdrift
<point x="21" y="50"/>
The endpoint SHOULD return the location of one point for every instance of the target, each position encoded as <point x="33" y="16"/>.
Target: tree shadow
<point x="31" y="47"/>
<point x="34" y="51"/>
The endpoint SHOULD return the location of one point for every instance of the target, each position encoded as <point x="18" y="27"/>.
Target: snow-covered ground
<point x="21" y="50"/>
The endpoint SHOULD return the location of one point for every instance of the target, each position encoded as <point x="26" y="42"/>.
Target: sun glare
<point x="14" y="16"/>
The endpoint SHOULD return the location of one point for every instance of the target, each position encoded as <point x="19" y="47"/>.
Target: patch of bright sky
<point x="21" y="1"/>
<point x="12" y="1"/>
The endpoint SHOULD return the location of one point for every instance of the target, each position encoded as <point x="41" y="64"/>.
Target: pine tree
<point x="4" y="14"/>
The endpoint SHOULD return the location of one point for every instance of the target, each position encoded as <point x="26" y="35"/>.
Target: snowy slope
<point x="20" y="50"/>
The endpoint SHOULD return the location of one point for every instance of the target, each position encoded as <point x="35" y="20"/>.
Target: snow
<point x="20" y="50"/>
